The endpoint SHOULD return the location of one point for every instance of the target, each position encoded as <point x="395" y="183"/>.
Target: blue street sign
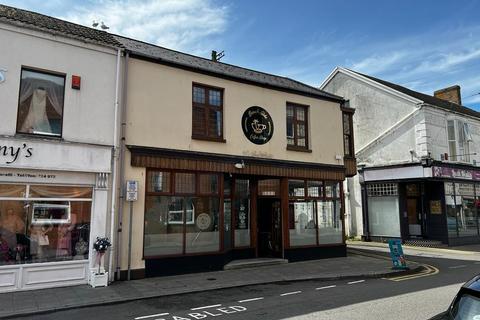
<point x="396" y="252"/>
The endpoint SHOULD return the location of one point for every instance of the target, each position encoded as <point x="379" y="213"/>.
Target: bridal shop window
<point x="40" y="106"/>
<point x="44" y="223"/>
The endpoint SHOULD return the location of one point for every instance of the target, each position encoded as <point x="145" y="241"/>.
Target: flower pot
<point x="98" y="279"/>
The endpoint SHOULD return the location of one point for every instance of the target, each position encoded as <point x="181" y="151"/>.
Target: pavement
<point x="465" y="252"/>
<point x="356" y="264"/>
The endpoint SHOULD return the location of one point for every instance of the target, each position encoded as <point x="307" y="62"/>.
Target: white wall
<point x="370" y="105"/>
<point x="89" y="112"/>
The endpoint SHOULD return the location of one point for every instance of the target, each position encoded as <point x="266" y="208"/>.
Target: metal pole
<point x="130" y="240"/>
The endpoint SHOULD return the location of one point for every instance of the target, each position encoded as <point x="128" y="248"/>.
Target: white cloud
<point x="379" y="63"/>
<point x="176" y="24"/>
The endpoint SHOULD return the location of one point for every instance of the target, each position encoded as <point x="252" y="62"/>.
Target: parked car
<point x="466" y="304"/>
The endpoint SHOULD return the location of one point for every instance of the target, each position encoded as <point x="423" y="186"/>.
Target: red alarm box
<point x="76" y="82"/>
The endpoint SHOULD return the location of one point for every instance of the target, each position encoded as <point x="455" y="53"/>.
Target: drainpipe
<point x="121" y="198"/>
<point x="114" y="165"/>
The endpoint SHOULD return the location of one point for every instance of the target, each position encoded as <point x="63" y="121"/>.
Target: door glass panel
<point x="242" y="213"/>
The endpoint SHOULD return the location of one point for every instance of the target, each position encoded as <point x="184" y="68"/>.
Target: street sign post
<point x="131" y="196"/>
<point x="396" y="252"/>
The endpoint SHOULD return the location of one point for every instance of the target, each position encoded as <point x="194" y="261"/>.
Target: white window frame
<point x="462" y="148"/>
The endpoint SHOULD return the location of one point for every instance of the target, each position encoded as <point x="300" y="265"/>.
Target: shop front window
<point x="203" y="236"/>
<point x="467" y="217"/>
<point x="183" y="219"/>
<point x="315" y="216"/>
<point x="53" y="227"/>
<point x="383" y="209"/>
<point x="303" y="230"/>
<point x="462" y="220"/>
<point x="330" y="228"/>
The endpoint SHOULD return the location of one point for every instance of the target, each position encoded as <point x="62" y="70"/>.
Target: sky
<point x="424" y="45"/>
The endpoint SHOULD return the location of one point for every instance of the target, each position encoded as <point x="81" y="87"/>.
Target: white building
<point x="58" y="99"/>
<point x="417" y="157"/>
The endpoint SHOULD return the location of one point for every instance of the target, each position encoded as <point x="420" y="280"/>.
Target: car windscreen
<point x="466" y="308"/>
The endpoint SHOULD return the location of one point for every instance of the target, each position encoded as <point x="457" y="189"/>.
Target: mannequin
<point x="36" y="119"/>
<point x="64" y="244"/>
<point x="39" y="241"/>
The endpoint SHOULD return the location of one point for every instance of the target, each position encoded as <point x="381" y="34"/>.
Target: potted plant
<point x="99" y="278"/>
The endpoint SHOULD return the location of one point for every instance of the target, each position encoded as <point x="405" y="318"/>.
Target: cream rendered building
<point x="230" y="163"/>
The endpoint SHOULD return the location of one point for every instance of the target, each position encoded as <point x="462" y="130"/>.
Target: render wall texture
<point x="159" y="115"/>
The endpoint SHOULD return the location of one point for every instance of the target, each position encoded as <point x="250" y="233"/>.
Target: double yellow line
<point x="428" y="271"/>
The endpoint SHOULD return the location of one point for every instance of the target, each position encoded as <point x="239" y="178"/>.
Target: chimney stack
<point x="214" y="55"/>
<point x="451" y="94"/>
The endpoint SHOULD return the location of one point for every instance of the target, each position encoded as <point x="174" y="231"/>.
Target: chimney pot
<point x="451" y="94"/>
<point x="214" y="55"/>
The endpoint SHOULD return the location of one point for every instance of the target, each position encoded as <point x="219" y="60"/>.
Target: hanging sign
<point x="257" y="125"/>
<point x="396" y="253"/>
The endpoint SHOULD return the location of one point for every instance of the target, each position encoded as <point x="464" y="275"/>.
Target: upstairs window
<point x="348" y="134"/>
<point x="297" y="126"/>
<point x="452" y="144"/>
<point x="207" y="113"/>
<point x="459" y="137"/>
<point x="40" y="106"/>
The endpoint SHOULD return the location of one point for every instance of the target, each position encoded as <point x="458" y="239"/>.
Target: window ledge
<point x="38" y="136"/>
<point x="299" y="149"/>
<point x="204" y="138"/>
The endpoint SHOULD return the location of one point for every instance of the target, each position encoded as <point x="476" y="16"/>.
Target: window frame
<point x="462" y="146"/>
<point x="184" y="223"/>
<point x="295" y="122"/>
<point x="46" y="72"/>
<point x="207" y="108"/>
<point x="350" y="153"/>
<point x="320" y="198"/>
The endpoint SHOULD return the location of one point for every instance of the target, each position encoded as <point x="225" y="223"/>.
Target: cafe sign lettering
<point x="10" y="154"/>
<point x="257" y="125"/>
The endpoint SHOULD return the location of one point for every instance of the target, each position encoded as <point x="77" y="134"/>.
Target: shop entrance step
<point x="253" y="263"/>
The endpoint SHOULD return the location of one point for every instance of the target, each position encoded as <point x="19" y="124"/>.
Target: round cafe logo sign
<point x="257" y="125"/>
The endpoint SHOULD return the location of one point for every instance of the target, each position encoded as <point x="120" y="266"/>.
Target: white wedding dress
<point x="37" y="120"/>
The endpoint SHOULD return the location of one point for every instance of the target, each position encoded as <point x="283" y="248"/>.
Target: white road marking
<point x="248" y="300"/>
<point x="327" y="287"/>
<point x="290" y="293"/>
<point x="456" y="267"/>
<point x="152" y="316"/>
<point x="354" y="282"/>
<point x="206" y="307"/>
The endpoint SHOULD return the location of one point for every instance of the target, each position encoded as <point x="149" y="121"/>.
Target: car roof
<point x="473" y="284"/>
